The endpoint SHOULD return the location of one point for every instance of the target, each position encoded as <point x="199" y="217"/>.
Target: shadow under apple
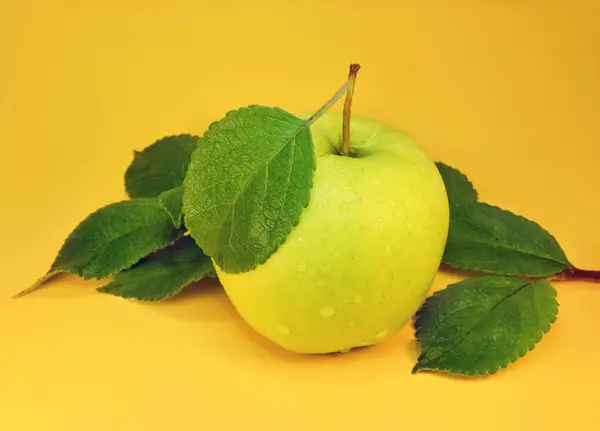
<point x="206" y="301"/>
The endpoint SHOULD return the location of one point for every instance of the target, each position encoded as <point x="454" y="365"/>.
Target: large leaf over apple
<point x="247" y="184"/>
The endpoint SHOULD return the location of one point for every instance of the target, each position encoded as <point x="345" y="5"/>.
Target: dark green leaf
<point x="171" y="200"/>
<point x="163" y="274"/>
<point x="160" y="166"/>
<point x="486" y="238"/>
<point x="113" y="239"/>
<point x="459" y="189"/>
<point x="483" y="324"/>
<point x="247" y="184"/>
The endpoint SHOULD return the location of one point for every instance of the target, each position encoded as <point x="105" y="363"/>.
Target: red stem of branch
<point x="580" y="274"/>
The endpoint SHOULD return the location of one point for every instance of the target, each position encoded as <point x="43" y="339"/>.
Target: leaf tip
<point x="39" y="282"/>
<point x="422" y="365"/>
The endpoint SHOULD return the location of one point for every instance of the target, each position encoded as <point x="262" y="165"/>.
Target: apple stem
<point x="578" y="274"/>
<point x="344" y="89"/>
<point x="354" y="68"/>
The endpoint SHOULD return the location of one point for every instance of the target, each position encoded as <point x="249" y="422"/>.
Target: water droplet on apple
<point x="351" y="324"/>
<point x="327" y="312"/>
<point x="387" y="247"/>
<point x="300" y="239"/>
<point x="382" y="333"/>
<point x="358" y="298"/>
<point x="301" y="266"/>
<point x="283" y="330"/>
<point x="414" y="191"/>
<point x="342" y="351"/>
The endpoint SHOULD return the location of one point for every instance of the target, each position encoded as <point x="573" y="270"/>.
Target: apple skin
<point x="365" y="252"/>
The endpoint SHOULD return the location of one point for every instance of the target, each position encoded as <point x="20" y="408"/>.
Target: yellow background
<point x="506" y="90"/>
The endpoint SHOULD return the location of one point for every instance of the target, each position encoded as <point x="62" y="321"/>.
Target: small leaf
<point x="482" y="324"/>
<point x="486" y="238"/>
<point x="171" y="200"/>
<point x="112" y="239"/>
<point x="247" y="184"/>
<point x="160" y="167"/>
<point x="163" y="274"/>
<point x="459" y="189"/>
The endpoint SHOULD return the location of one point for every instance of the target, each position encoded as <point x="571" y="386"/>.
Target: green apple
<point x="365" y="252"/>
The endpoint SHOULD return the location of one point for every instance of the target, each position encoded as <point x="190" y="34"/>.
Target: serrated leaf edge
<point x="230" y="112"/>
<point x="457" y="371"/>
<point x="106" y="274"/>
<point x="155" y="299"/>
<point x="312" y="175"/>
<point x="567" y="263"/>
<point x="452" y="168"/>
<point x="138" y="153"/>
<point x="54" y="271"/>
<point x="176" y="223"/>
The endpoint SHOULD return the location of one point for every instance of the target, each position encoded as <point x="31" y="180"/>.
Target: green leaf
<point x="459" y="189"/>
<point x="160" y="167"/>
<point x="482" y="324"/>
<point x="113" y="239"/>
<point x="163" y="274"/>
<point x="247" y="184"/>
<point x="486" y="238"/>
<point x="171" y="200"/>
